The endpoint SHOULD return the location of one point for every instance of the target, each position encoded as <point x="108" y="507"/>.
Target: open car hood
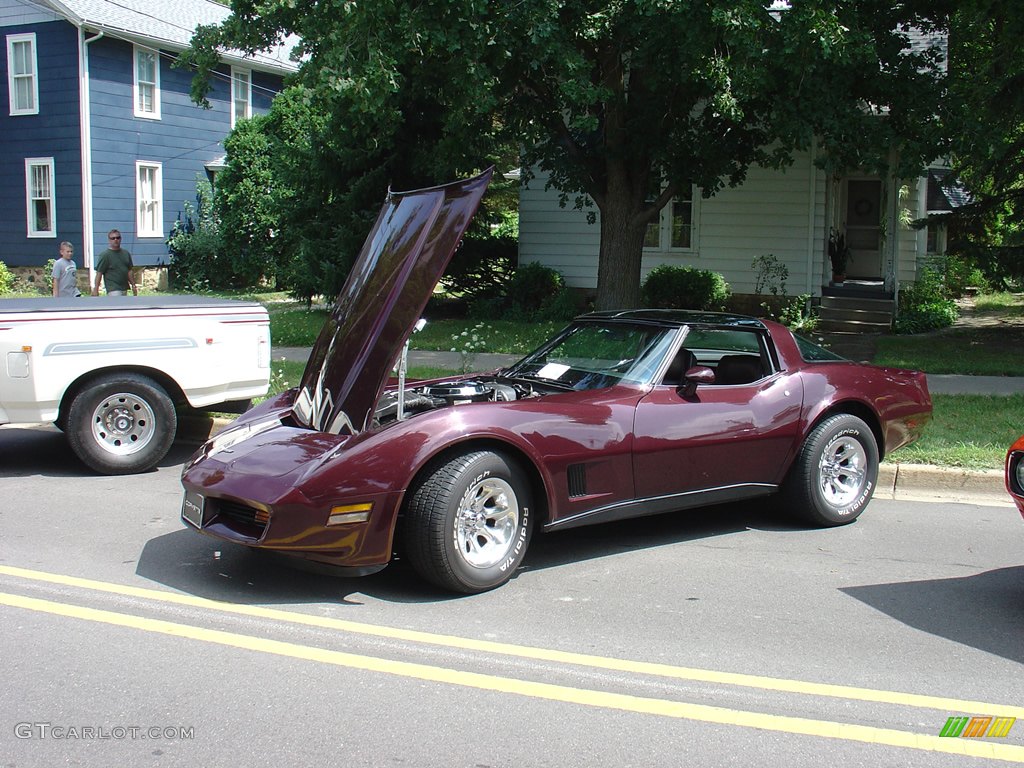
<point x="401" y="261"/>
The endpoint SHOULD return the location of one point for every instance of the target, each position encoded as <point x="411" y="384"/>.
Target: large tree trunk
<point x="618" y="266"/>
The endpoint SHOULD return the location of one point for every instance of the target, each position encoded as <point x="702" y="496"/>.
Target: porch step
<point x="855" y="314"/>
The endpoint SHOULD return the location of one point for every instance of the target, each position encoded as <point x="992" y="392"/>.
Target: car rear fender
<point x="854" y="408"/>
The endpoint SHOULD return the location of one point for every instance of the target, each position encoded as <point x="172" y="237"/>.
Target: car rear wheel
<point x="834" y="475"/>
<point x="468" y="522"/>
<point x="121" y="424"/>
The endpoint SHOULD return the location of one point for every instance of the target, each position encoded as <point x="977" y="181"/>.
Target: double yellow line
<point x="561" y="693"/>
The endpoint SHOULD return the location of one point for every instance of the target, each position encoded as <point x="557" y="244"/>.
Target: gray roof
<point x="945" y="193"/>
<point x="164" y="23"/>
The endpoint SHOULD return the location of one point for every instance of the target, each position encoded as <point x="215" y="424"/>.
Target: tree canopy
<point x="985" y="123"/>
<point x="624" y="103"/>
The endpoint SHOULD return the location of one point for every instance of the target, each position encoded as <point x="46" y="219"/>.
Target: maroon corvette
<point x="1015" y="473"/>
<point x="621" y="414"/>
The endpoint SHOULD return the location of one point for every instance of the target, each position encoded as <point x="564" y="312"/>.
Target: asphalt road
<point x="722" y="637"/>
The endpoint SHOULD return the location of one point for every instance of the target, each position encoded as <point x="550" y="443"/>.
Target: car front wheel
<point x="834" y="475"/>
<point x="121" y="424"/>
<point x="468" y="522"/>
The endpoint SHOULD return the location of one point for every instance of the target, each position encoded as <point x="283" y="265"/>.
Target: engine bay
<point x="398" y="404"/>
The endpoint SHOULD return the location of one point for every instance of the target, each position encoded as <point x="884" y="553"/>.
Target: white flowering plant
<point x="469" y="343"/>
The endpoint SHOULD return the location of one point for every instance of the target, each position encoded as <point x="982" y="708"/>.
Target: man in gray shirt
<point x="65" y="272"/>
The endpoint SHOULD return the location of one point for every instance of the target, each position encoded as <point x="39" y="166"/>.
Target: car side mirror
<point x="699" y="374"/>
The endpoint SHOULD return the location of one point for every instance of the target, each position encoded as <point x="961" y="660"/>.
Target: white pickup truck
<point x="111" y="371"/>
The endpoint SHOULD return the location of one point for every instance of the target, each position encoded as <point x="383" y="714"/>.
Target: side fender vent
<point x="576" y="475"/>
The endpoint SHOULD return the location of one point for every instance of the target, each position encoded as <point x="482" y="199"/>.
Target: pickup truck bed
<point x="109" y="371"/>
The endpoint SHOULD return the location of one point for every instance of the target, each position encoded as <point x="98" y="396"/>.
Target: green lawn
<point x="490" y="336"/>
<point x="985" y="351"/>
<point x="292" y="326"/>
<point x="969" y="431"/>
<point x="987" y="342"/>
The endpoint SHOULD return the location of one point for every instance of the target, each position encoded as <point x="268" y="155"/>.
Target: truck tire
<point x="120" y="424"/>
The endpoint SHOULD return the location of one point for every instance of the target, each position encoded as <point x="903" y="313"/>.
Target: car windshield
<point x="594" y="355"/>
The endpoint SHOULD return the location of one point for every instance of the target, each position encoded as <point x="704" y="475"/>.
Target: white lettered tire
<point x="468" y="521"/>
<point x="121" y="424"/>
<point x="835" y="473"/>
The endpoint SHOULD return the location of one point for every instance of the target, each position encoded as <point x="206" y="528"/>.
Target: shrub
<point x="674" y="287"/>
<point x="194" y="246"/>
<point x="771" y="275"/>
<point x="1002" y="265"/>
<point x="6" y="279"/>
<point x="536" y="293"/>
<point x="961" y="273"/>
<point x="798" y="314"/>
<point x="48" y="275"/>
<point x="481" y="268"/>
<point x="925" y="305"/>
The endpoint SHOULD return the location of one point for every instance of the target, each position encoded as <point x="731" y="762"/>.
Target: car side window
<point x="737" y="356"/>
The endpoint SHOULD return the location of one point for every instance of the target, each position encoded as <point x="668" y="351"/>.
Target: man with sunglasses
<point x="114" y="267"/>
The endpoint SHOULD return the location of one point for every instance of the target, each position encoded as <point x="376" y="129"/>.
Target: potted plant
<point x="839" y="255"/>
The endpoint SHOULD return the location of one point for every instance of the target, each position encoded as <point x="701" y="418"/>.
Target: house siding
<point x="913" y="243"/>
<point x="774" y="212"/>
<point x="15" y="13"/>
<point x="53" y="132"/>
<point x="182" y="141"/>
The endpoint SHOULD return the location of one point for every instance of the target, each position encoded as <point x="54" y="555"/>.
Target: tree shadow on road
<point x="983" y="611"/>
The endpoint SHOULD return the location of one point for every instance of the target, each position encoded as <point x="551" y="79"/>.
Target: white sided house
<point x="788" y="214"/>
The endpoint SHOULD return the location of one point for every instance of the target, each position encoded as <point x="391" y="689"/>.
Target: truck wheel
<point x="121" y="424"/>
<point x="467" y="522"/>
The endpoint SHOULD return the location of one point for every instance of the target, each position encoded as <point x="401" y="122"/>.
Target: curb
<point x="924" y="482"/>
<point x="905" y="482"/>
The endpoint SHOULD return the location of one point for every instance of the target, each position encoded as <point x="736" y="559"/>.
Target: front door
<point x="863" y="227"/>
<point x="733" y="437"/>
<point x="725" y="437"/>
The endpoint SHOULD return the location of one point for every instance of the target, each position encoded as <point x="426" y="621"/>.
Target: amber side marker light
<point x="350" y="513"/>
<point x="262" y="516"/>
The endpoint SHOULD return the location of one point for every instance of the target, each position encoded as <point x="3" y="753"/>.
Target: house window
<point x="241" y="95"/>
<point x="149" y="200"/>
<point x="147" y="83"/>
<point x="22" y="83"/>
<point x="40" y="203"/>
<point x="936" y="237"/>
<point x="674" y="228"/>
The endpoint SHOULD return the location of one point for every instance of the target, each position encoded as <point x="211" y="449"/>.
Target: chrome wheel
<point x="467" y="522"/>
<point x="833" y="476"/>
<point x="487" y="522"/>
<point x="123" y="424"/>
<point x="842" y="471"/>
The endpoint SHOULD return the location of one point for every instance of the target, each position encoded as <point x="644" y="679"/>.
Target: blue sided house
<point x="97" y="130"/>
